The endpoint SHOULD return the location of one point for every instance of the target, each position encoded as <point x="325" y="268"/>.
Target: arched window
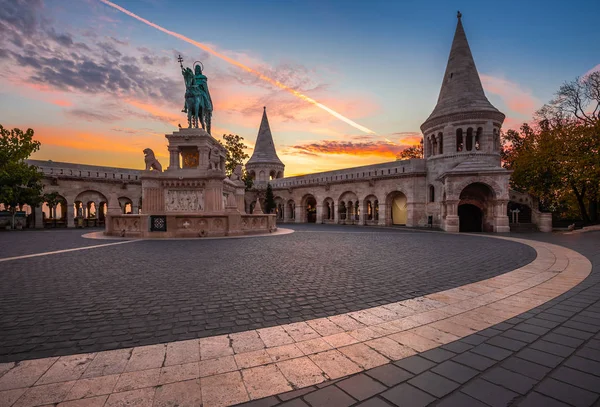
<point x="431" y="193"/>
<point x="429" y="147"/>
<point x="441" y="142"/>
<point x="496" y="144"/>
<point x="478" y="138"/>
<point x="459" y="140"/>
<point x="469" y="141"/>
<point x="435" y="145"/>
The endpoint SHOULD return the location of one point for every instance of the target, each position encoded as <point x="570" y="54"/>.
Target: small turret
<point x="463" y="120"/>
<point x="264" y="165"/>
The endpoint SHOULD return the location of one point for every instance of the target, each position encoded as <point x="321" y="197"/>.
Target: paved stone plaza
<point x="386" y="323"/>
<point x="147" y="292"/>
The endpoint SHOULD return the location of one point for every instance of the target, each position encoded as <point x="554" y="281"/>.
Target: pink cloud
<point x="516" y="98"/>
<point x="594" y="69"/>
<point x="61" y="102"/>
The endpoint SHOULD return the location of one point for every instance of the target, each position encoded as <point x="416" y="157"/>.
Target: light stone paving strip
<point x="235" y="368"/>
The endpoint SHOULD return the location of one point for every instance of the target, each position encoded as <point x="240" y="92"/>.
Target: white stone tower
<point x="264" y="165"/>
<point x="461" y="143"/>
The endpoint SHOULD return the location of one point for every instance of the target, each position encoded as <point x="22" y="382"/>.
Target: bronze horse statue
<point x="197" y="100"/>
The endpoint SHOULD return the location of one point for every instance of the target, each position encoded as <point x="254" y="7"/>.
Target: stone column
<point x="501" y="224"/>
<point x="298" y="215"/>
<point x="70" y="216"/>
<point x="320" y="213"/>
<point x="382" y="215"/>
<point x="362" y="220"/>
<point x="336" y="215"/>
<point x="173" y="158"/>
<point x="452" y="223"/>
<point x="38" y="217"/>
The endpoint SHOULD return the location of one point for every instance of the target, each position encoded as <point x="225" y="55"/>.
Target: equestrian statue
<point x="198" y="104"/>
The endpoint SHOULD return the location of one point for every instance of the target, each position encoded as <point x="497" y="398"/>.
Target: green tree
<point x="235" y="152"/>
<point x="247" y="180"/>
<point x="235" y="156"/>
<point x="269" y="200"/>
<point x="20" y="183"/>
<point x="52" y="199"/>
<point x="411" y="152"/>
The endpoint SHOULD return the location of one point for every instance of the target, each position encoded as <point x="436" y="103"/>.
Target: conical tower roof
<point x="264" y="150"/>
<point x="461" y="90"/>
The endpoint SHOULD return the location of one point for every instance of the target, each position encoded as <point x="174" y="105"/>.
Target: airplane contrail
<point x="242" y="66"/>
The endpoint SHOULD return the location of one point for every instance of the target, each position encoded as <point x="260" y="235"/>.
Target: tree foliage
<point x="235" y="152"/>
<point x="235" y="156"/>
<point x="52" y="199"/>
<point x="269" y="200"/>
<point x="557" y="158"/>
<point x="411" y="152"/>
<point x="20" y="183"/>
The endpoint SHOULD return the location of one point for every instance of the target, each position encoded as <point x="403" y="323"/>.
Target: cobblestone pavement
<point x="21" y="243"/>
<point x="549" y="356"/>
<point x="149" y="292"/>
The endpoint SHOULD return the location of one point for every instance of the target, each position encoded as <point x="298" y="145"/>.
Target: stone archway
<point x="328" y="211"/>
<point x="311" y="210"/>
<point x="470" y="218"/>
<point x="476" y="208"/>
<point x="397" y="202"/>
<point x="87" y="207"/>
<point x="348" y="208"/>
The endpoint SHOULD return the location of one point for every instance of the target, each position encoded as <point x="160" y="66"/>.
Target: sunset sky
<point x="99" y="86"/>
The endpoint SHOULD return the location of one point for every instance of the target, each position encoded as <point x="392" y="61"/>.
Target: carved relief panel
<point x="181" y="200"/>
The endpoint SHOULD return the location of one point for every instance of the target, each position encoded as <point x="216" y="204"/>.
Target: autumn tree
<point x="411" y="152"/>
<point x="20" y="183"/>
<point x="558" y="157"/>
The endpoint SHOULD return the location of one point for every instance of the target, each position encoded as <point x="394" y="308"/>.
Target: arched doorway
<point x="398" y="203"/>
<point x="310" y="208"/>
<point x="476" y="208"/>
<point x="348" y="208"/>
<point x="470" y="218"/>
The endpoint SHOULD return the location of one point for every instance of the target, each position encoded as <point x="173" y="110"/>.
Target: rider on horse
<point x="199" y="87"/>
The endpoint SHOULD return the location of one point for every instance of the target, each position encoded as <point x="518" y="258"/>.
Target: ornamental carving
<point x="181" y="200"/>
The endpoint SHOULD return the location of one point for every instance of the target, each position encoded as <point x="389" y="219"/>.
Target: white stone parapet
<point x="97" y="173"/>
<point x="363" y="173"/>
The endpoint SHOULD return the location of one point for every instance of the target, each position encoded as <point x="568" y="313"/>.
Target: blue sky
<point x="378" y="63"/>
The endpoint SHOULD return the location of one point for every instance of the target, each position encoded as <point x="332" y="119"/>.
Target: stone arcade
<point x="458" y="186"/>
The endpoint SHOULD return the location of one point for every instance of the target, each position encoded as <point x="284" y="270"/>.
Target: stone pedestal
<point x="192" y="198"/>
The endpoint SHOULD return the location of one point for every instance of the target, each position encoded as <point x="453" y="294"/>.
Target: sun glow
<point x="242" y="66"/>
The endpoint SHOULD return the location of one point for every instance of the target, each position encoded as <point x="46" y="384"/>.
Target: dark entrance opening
<point x="470" y="218"/>
<point x="311" y="210"/>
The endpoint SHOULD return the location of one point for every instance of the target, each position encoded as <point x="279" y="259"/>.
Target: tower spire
<point x="461" y="90"/>
<point x="264" y="150"/>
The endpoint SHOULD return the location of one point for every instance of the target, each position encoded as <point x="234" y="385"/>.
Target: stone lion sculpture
<point x="236" y="175"/>
<point x="151" y="161"/>
<point x="215" y="159"/>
